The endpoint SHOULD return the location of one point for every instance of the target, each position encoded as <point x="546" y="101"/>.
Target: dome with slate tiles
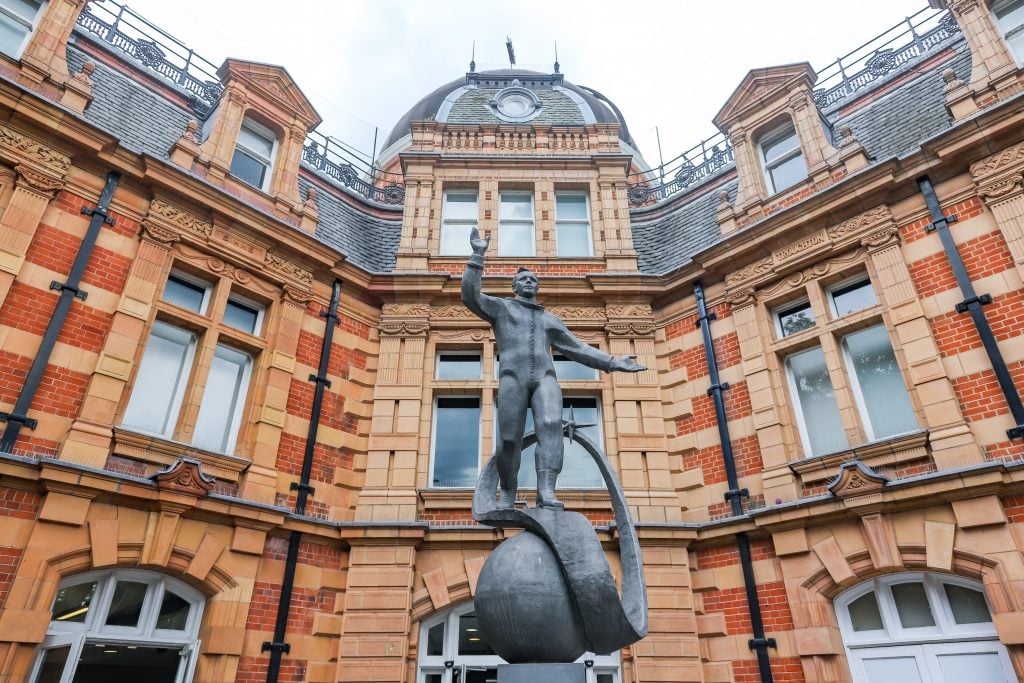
<point x="510" y="96"/>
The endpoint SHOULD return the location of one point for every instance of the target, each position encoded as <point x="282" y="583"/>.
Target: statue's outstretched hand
<point x="478" y="243"/>
<point x="627" y="364"/>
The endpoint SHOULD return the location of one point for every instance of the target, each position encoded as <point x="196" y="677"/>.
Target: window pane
<point x="72" y="602"/>
<point x="972" y="666"/>
<point x="110" y="663"/>
<point x="458" y="366"/>
<point x="460" y="207"/>
<point x="256" y="141"/>
<point x="968" y="605"/>
<point x="26" y="9"/>
<point x="52" y="667"/>
<point x="173" y="612"/>
<point x="241" y="316"/>
<point x="455" y="240"/>
<point x="222" y="400"/>
<point x="434" y="678"/>
<point x="457" y="442"/>
<point x="788" y="173"/>
<point x="566" y="369"/>
<point x="571" y="206"/>
<point x="470" y="642"/>
<point x="817" y="402"/>
<point x="878" y="376"/>
<point x="855" y="297"/>
<point x="864" y="614"/>
<point x="778" y="146"/>
<point x="12" y="34"/>
<point x="796" y="319"/>
<point x="605" y="678"/>
<point x="154" y="403"/>
<point x="481" y="674"/>
<point x="578" y="468"/>
<point x="515" y="239"/>
<point x="435" y="640"/>
<point x="1009" y="14"/>
<point x="890" y="669"/>
<point x="573" y="239"/>
<point x="126" y="605"/>
<point x="181" y="292"/>
<point x="912" y="605"/>
<point x="516" y="207"/>
<point x="248" y="168"/>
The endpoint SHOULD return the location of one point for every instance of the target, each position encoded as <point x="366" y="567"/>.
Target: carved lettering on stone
<point x="240" y="243"/>
<point x="797" y="248"/>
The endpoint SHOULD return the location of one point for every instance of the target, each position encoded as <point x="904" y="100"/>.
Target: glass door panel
<point x="57" y="658"/>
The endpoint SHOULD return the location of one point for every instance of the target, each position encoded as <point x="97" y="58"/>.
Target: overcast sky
<point x="672" y="65"/>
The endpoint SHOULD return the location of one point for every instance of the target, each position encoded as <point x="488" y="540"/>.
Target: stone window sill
<point x="164" y="452"/>
<point x="899" y="449"/>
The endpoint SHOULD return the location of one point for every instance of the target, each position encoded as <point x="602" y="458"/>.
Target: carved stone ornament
<point x="630" y="329"/>
<point x="629" y="311"/>
<point x="159" y="234"/>
<point x="741" y="297"/>
<point x="40" y="182"/>
<point x="1004" y="188"/>
<point x="860" y="222"/>
<point x="184" y="476"/>
<point x="23" y="147"/>
<point x="296" y="295"/>
<point x="179" y="218"/>
<point x="1010" y="156"/>
<point x="240" y="276"/>
<point x="747" y="272"/>
<point x="856" y="479"/>
<point x="411" y="310"/>
<point x="882" y="237"/>
<point x="404" y="328"/>
<point x="577" y="312"/>
<point x="440" y="312"/>
<point x="288" y="268"/>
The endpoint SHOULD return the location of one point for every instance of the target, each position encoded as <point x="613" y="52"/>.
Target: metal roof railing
<point x="121" y="27"/>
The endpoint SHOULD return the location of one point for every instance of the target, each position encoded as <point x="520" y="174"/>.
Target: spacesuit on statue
<point x="525" y="334"/>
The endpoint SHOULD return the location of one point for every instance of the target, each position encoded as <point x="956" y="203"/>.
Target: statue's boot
<point x="507" y="499"/>
<point x="546" y="490"/>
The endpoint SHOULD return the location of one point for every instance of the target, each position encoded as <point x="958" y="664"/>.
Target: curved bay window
<point x="451" y="650"/>
<point x="122" y="625"/>
<point x="921" y="628"/>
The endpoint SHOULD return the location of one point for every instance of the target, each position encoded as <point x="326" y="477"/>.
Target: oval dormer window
<point x="515" y="104"/>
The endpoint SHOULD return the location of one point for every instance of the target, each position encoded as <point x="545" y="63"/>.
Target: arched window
<point x="452" y="651"/>
<point x="921" y="628"/>
<point x="121" y="625"/>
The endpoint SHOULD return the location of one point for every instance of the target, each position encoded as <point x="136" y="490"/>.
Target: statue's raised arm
<point x="486" y="307"/>
<point x="569" y="346"/>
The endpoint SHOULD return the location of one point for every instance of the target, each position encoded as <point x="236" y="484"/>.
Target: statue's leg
<point x="511" y="404"/>
<point x="547" y="418"/>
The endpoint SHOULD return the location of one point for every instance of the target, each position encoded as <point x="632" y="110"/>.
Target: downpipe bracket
<point x="934" y="225"/>
<point x="20" y="419"/>
<point x="762" y="644"/>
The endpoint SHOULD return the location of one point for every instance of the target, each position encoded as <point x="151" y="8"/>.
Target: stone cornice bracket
<point x="1000" y="182"/>
<point x="993" y="170"/>
<point x="406" y="319"/>
<point x="629" y="320"/>
<point x="185" y="149"/>
<point x="166" y="223"/>
<point x="881" y="238"/>
<point x="185" y="478"/>
<point x="78" y="89"/>
<point x="41" y="183"/>
<point x="296" y="295"/>
<point x="741" y="298"/>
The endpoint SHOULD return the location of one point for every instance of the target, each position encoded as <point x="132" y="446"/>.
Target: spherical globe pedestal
<point x="523" y="605"/>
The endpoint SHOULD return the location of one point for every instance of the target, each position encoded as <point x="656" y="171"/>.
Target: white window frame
<point x="858" y="393"/>
<point x="777" y="312"/>
<point x="449" y="221"/>
<point x="601" y="664"/>
<point x="894" y="640"/>
<point x="77" y="635"/>
<point x="457" y="352"/>
<point x="502" y="222"/>
<point x="261" y="131"/>
<point x="246" y="302"/>
<point x="433" y="439"/>
<point x="771" y="137"/>
<point x="242" y="396"/>
<point x="842" y="284"/>
<point x="30" y="24"/>
<point x="192" y="280"/>
<point x="575" y="221"/>
<point x="1010" y="33"/>
<point x="179" y="390"/>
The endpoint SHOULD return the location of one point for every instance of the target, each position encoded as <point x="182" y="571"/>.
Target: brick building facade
<point x="208" y="474"/>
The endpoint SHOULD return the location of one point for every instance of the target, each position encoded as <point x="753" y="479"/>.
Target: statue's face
<point x="525" y="285"/>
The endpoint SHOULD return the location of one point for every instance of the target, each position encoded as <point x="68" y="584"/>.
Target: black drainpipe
<point x="278" y="646"/>
<point x="69" y="291"/>
<point x="972" y="304"/>
<point x="735" y="494"/>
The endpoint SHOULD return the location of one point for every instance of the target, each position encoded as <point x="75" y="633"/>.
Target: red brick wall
<point x="21" y="505"/>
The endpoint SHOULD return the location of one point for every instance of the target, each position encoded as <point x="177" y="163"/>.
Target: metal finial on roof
<point x="557" y="65"/>
<point x="472" y="59"/>
<point x="511" y="51"/>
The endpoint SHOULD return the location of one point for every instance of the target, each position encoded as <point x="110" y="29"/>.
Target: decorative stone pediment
<point x="760" y="87"/>
<point x="272" y="84"/>
<point x="857" y="479"/>
<point x="185" y="477"/>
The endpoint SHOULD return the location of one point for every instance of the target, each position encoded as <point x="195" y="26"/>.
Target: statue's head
<point x="525" y="284"/>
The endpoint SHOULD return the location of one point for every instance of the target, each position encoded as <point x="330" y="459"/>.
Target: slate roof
<point x="893" y="125"/>
<point x="557" y="108"/>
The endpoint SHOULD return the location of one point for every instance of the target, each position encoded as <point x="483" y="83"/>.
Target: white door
<point x="903" y="663"/>
<point x="984" y="660"/>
